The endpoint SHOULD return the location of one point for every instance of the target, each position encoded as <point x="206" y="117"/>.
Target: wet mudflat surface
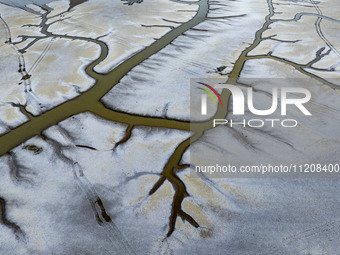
<point x="96" y="133"/>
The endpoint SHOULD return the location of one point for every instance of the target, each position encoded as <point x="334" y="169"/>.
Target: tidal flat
<point x="99" y="137"/>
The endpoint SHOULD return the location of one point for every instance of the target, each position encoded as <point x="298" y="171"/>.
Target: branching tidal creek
<point x="90" y="101"/>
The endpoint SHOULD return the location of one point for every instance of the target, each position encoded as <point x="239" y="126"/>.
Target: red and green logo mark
<point x="209" y="93"/>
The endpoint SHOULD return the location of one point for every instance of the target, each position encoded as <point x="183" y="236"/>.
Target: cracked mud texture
<point x="95" y="132"/>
